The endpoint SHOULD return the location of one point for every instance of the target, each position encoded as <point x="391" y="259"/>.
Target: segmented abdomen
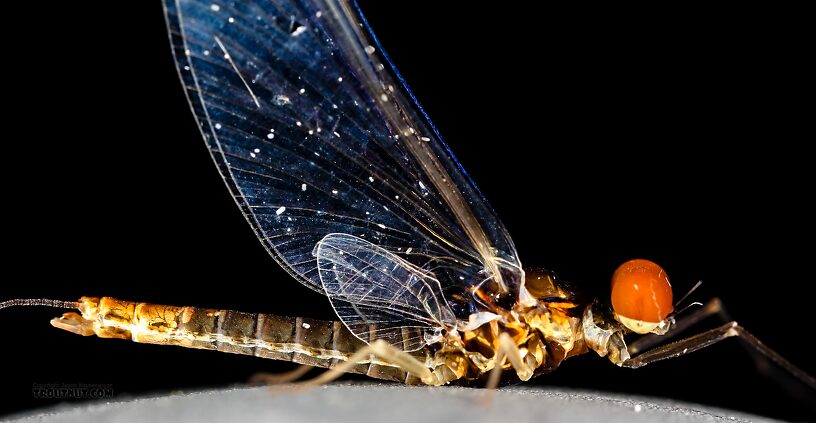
<point x="312" y="342"/>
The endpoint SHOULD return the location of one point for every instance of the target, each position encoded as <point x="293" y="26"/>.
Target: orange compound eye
<point x="641" y="295"/>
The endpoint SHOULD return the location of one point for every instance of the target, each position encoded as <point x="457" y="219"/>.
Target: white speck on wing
<point x="214" y="7"/>
<point x="303" y="187"/>
<point x="217" y="126"/>
<point x="280" y="211"/>
<point x="370" y="49"/>
<point x="281" y="100"/>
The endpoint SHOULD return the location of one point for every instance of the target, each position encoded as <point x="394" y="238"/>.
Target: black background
<point x="598" y="136"/>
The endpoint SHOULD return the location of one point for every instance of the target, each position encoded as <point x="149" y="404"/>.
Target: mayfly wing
<point x="378" y="295"/>
<point x="314" y="134"/>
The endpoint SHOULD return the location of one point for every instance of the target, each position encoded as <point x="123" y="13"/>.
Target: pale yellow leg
<point x="495" y="374"/>
<point x="276" y="378"/>
<point x="509" y="350"/>
<point x="384" y="351"/>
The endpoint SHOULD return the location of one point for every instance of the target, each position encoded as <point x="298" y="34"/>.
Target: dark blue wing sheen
<point x="315" y="135"/>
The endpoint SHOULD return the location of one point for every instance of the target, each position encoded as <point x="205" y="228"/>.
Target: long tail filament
<point x="38" y="302"/>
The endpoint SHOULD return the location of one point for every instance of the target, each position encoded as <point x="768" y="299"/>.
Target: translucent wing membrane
<point x="313" y="136"/>
<point x="378" y="295"/>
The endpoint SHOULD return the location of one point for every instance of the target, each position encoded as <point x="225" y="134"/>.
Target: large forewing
<point x="314" y="135"/>
<point x="378" y="295"/>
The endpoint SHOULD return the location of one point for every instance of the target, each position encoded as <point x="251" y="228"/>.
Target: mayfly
<point x="349" y="186"/>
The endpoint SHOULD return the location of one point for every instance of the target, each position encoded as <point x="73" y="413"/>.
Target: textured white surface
<point x="390" y="403"/>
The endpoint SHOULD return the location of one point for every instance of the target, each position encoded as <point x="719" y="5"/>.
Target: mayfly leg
<point x="762" y="356"/>
<point x="710" y="337"/>
<point x="384" y="351"/>
<point x="279" y="378"/>
<point x="508" y="349"/>
<point x="712" y="308"/>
